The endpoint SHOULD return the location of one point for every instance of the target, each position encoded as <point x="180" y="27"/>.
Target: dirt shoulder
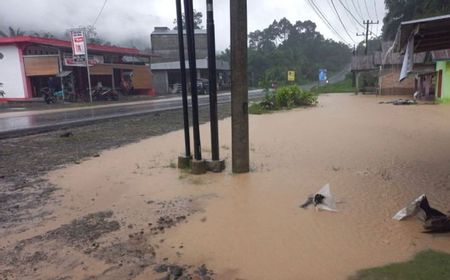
<point x="24" y="160"/>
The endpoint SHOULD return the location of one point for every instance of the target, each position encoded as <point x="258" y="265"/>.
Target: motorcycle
<point x="2" y="92"/>
<point x="104" y="93"/>
<point x="50" y="96"/>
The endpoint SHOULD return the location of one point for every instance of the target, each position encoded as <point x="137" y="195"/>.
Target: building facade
<point x="165" y="47"/>
<point x="166" y="63"/>
<point x="28" y="64"/>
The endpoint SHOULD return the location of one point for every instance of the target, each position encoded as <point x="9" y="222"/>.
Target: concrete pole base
<point x="198" y="167"/>
<point x="184" y="162"/>
<point x="215" y="165"/>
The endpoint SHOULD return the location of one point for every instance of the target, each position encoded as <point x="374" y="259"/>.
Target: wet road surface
<point x="32" y="122"/>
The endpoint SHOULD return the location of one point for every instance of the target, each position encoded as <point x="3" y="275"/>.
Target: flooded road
<point x="376" y="157"/>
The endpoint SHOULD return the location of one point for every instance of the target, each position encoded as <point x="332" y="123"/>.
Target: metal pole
<point x="189" y="15"/>
<point x="239" y="87"/>
<point x="60" y="71"/>
<point x="212" y="72"/>
<point x="367" y="37"/>
<point x="87" y="65"/>
<point x="187" y="140"/>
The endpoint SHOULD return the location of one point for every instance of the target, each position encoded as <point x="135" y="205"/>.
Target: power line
<point x="376" y="14"/>
<point x="376" y="10"/>
<point x="100" y="13"/>
<point x="342" y="23"/>
<point x="360" y="10"/>
<point x="367" y="10"/>
<point x="325" y="20"/>
<point x="351" y="14"/>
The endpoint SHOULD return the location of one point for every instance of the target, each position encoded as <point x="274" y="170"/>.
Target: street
<point x="28" y="122"/>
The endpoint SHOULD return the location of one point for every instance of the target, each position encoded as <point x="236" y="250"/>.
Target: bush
<point x="284" y="97"/>
<point x="290" y="96"/>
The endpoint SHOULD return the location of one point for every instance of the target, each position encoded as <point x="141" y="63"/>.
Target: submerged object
<point x="434" y="220"/>
<point x="322" y="200"/>
<point x="418" y="207"/>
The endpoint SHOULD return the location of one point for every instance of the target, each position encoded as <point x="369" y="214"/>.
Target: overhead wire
<point x="367" y="10"/>
<point x="342" y="23"/>
<point x="360" y="10"/>
<point x="351" y="14"/>
<point x="376" y="14"/>
<point x="100" y="13"/>
<point x="325" y="20"/>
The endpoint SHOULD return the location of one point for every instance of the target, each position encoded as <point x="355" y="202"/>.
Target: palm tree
<point x="12" y="32"/>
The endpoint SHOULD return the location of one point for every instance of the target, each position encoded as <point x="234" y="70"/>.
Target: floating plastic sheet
<point x="327" y="203"/>
<point x="412" y="209"/>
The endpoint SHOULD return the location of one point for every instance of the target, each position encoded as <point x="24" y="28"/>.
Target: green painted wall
<point x="445" y="67"/>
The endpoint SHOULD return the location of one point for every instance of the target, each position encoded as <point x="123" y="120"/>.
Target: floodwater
<point x="376" y="157"/>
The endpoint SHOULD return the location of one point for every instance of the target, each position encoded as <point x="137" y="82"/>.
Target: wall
<point x="160" y="82"/>
<point x="445" y="67"/>
<point x="165" y="47"/>
<point x="390" y="85"/>
<point x="11" y="74"/>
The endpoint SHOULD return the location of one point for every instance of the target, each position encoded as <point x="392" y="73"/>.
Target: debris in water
<point x="434" y="220"/>
<point x="322" y="200"/>
<point x="400" y="102"/>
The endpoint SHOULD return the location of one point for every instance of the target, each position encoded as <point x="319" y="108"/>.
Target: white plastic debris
<point x="413" y="209"/>
<point x="328" y="203"/>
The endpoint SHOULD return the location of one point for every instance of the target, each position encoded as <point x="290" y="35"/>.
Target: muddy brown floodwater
<point x="128" y="214"/>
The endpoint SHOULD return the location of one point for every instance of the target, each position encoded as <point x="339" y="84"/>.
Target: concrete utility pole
<point x="239" y="87"/>
<point x="367" y="23"/>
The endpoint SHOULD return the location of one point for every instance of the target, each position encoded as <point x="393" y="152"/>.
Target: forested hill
<point x="285" y="46"/>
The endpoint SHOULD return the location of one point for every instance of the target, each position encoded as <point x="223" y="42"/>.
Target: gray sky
<point x="123" y="20"/>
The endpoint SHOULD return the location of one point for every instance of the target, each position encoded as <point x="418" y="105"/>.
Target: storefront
<point x="28" y="64"/>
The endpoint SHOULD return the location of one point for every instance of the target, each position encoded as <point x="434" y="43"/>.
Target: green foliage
<point x="284" y="46"/>
<point x="427" y="265"/>
<point x="401" y="10"/>
<point x="284" y="98"/>
<point x="340" y="87"/>
<point x="198" y="19"/>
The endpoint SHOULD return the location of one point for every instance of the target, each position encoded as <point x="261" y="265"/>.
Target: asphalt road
<point x="29" y="122"/>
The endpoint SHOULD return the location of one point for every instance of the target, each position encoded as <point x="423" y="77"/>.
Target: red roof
<point x="67" y="44"/>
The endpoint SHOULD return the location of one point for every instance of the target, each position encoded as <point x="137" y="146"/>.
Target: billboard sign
<point x="323" y="75"/>
<point x="80" y="61"/>
<point x="291" y="76"/>
<point x="78" y="43"/>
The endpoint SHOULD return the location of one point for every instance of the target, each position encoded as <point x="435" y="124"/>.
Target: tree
<point x="404" y="10"/>
<point x="198" y="19"/>
<point x="12" y="32"/>
<point x="284" y="46"/>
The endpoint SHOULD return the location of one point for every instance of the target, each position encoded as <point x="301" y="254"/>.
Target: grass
<point x="257" y="109"/>
<point x="426" y="265"/>
<point x="342" y="86"/>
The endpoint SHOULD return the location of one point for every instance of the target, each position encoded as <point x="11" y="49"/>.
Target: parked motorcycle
<point x="104" y="93"/>
<point x="50" y="96"/>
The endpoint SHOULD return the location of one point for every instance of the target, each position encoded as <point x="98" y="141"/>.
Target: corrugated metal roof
<point x="430" y="34"/>
<point x="67" y="44"/>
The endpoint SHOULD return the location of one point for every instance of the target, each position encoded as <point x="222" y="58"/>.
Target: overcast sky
<point x="123" y="20"/>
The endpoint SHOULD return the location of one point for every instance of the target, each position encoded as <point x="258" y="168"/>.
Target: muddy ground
<point x="128" y="213"/>
<point x="27" y="199"/>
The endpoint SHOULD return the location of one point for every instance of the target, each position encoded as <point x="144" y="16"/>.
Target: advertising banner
<point x="78" y="43"/>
